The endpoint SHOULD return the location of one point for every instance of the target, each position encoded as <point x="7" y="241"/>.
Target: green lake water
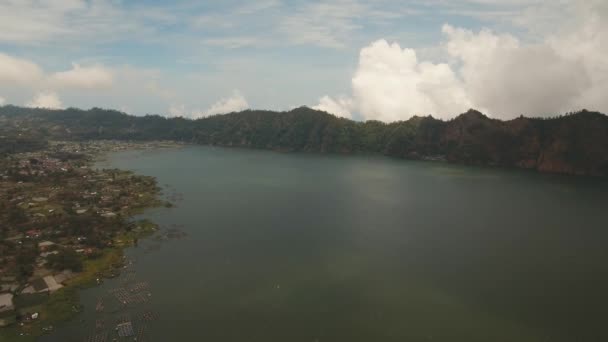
<point x="315" y="248"/>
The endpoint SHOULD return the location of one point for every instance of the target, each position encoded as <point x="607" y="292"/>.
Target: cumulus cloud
<point x="391" y="84"/>
<point x="497" y="73"/>
<point x="390" y="81"/>
<point x="340" y="107"/>
<point x="91" y="77"/>
<point x="507" y="78"/>
<point x="20" y="71"/>
<point x="27" y="75"/>
<point x="180" y="111"/>
<point x="47" y="100"/>
<point x="234" y="103"/>
<point x="24" y="72"/>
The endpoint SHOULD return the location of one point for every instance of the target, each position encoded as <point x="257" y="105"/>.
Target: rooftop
<point x="6" y="302"/>
<point x="46" y="244"/>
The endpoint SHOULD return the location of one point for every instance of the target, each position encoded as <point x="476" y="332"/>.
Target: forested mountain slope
<point x="576" y="143"/>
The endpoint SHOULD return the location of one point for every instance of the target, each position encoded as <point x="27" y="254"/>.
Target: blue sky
<point x="186" y="57"/>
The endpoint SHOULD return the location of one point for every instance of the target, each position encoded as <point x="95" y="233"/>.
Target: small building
<point x="44" y="245"/>
<point x="52" y="284"/>
<point x="46" y="254"/>
<point x="33" y="233"/>
<point x="6" y="302"/>
<point x="37" y="285"/>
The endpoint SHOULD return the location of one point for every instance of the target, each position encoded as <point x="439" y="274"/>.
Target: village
<point x="63" y="223"/>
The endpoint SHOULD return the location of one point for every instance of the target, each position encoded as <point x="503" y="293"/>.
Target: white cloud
<point x="48" y="100"/>
<point x="391" y="84"/>
<point x="499" y="74"/>
<point x="20" y="71"/>
<point x="327" y="24"/>
<point x="27" y="73"/>
<point x="91" y="77"/>
<point x="257" y="6"/>
<point x="340" y="107"/>
<point x="554" y="59"/>
<point x="176" y="111"/>
<point x="2" y="101"/>
<point x="30" y="22"/>
<point x="508" y="78"/>
<point x="235" y="42"/>
<point x="234" y="103"/>
<point x="20" y="76"/>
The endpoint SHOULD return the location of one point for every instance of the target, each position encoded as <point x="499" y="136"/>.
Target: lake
<point x="301" y="247"/>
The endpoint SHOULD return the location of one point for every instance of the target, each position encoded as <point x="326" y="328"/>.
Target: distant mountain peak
<point x="471" y="114"/>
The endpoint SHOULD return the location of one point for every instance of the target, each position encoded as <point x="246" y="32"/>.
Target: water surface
<point x="297" y="247"/>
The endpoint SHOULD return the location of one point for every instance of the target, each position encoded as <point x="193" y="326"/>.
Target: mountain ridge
<point x="576" y="143"/>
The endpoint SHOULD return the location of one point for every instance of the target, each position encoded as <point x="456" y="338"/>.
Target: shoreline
<point x="64" y="304"/>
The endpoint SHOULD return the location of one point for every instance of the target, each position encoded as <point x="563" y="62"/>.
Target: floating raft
<point x="99" y="307"/>
<point x="123" y="319"/>
<point x="149" y="316"/>
<point x="128" y="276"/>
<point x="97" y="338"/>
<point x="139" y="287"/>
<point x="141" y="333"/>
<point x="125" y="329"/>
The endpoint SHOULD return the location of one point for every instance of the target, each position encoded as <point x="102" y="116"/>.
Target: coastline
<point x="64" y="304"/>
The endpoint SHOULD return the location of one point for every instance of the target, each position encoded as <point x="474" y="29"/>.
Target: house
<point x="37" y="285"/>
<point x="44" y="245"/>
<point x="6" y="309"/>
<point x="6" y="302"/>
<point x="52" y="284"/>
<point x="46" y="254"/>
<point x="33" y="233"/>
<point x="108" y="215"/>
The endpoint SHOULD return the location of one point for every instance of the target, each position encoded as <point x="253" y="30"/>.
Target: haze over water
<point x="297" y="247"/>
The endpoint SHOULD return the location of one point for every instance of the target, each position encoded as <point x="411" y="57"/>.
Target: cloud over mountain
<point x="497" y="73"/>
<point x="47" y="100"/>
<point x="234" y="103"/>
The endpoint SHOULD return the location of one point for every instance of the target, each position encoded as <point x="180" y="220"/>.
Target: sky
<point x="364" y="60"/>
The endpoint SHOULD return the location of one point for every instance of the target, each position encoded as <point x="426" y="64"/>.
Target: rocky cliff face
<point x="573" y="144"/>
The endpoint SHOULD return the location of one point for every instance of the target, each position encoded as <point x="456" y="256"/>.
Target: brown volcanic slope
<point x="573" y="144"/>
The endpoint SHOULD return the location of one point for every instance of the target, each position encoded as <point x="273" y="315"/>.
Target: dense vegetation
<point x="576" y="143"/>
